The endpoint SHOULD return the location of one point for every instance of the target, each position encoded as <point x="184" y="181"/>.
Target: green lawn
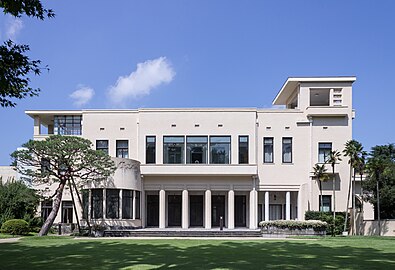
<point x="67" y="253"/>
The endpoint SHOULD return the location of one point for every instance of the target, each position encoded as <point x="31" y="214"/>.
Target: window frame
<point x="227" y="143"/>
<point x="122" y="149"/>
<point x="323" y="203"/>
<point x="283" y="150"/>
<point x="205" y="146"/>
<point x="112" y="198"/>
<point x="272" y="152"/>
<point x="153" y="161"/>
<point x="248" y="148"/>
<point x="104" y="149"/>
<point x="167" y="144"/>
<point x="319" y="148"/>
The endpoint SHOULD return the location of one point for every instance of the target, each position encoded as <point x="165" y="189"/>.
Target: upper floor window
<point x="150" y="150"/>
<point x="268" y="150"/>
<point x="326" y="203"/>
<point x="123" y="148"/>
<point x="319" y="97"/>
<point x="287" y="150"/>
<point x="67" y="124"/>
<point x="324" y="150"/>
<point x="196" y="150"/>
<point x="173" y="149"/>
<point x="102" y="145"/>
<point x="243" y="149"/>
<point x="220" y="149"/>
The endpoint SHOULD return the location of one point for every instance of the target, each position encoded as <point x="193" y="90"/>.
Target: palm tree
<point x="360" y="167"/>
<point x="319" y="173"/>
<point x="334" y="157"/>
<point x="352" y="150"/>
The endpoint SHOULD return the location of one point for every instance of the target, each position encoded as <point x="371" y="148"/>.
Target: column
<point x="253" y="207"/>
<point x="288" y="205"/>
<point x="143" y="209"/>
<point x="162" y="209"/>
<point x="267" y="200"/>
<point x="207" y="211"/>
<point x="104" y="203"/>
<point x="231" y="209"/>
<point x="37" y="125"/>
<point x="134" y="204"/>
<point x="120" y="204"/>
<point x="184" y="215"/>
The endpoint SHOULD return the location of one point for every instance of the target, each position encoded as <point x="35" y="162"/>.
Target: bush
<point x="317" y="225"/>
<point x="328" y="218"/>
<point x="15" y="227"/>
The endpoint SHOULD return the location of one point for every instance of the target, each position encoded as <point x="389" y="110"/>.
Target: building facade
<point x="199" y="167"/>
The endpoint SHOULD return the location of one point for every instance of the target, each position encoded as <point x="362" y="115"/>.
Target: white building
<point x="198" y="165"/>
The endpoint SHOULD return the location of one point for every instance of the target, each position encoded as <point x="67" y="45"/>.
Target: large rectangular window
<point x="326" y="203"/>
<point x="137" y="204"/>
<point x="173" y="150"/>
<point x="268" y="145"/>
<point x="324" y="150"/>
<point x="102" y="145"/>
<point x="112" y="203"/>
<point x="287" y="150"/>
<point x="127" y="204"/>
<point x="46" y="208"/>
<point x="220" y="149"/>
<point x="123" y="148"/>
<point x="67" y="124"/>
<point x="85" y="203"/>
<point x="196" y="150"/>
<point x="97" y="203"/>
<point x="150" y="150"/>
<point x="67" y="212"/>
<point x="243" y="149"/>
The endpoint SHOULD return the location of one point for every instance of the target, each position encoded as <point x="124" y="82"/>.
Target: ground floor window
<point x="127" y="204"/>
<point x="137" y="206"/>
<point x="97" y="203"/>
<point x="112" y="203"/>
<point x="326" y="203"/>
<point x="85" y="203"/>
<point x="46" y="208"/>
<point x="67" y="212"/>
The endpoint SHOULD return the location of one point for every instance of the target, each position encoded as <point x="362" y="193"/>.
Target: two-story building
<point x="198" y="166"/>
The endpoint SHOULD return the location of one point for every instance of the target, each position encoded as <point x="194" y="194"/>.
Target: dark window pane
<point x="243" y="150"/>
<point x="112" y="203"/>
<point x="268" y="156"/>
<point x="97" y="203"/>
<point x="326" y="203"/>
<point x="127" y="204"/>
<point x="138" y="203"/>
<point x="67" y="212"/>
<point x="324" y="150"/>
<point x="46" y="208"/>
<point x="220" y="149"/>
<point x="102" y="145"/>
<point x="122" y="148"/>
<point x="67" y="124"/>
<point x="287" y="150"/>
<point x="173" y="150"/>
<point x="85" y="203"/>
<point x="196" y="150"/>
<point x="150" y="150"/>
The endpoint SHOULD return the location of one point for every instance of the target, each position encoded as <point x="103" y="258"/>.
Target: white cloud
<point x="148" y="75"/>
<point x="82" y="95"/>
<point x="13" y="27"/>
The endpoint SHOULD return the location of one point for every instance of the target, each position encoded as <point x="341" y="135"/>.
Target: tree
<point x="17" y="201"/>
<point x="380" y="181"/>
<point x="62" y="160"/>
<point x="15" y="65"/>
<point x="353" y="150"/>
<point x="334" y="157"/>
<point x="320" y="174"/>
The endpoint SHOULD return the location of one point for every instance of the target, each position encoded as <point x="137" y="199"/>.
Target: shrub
<point x="328" y="218"/>
<point x="317" y="225"/>
<point x="15" y="227"/>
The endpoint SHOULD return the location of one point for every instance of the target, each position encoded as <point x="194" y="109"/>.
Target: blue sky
<point x="204" y="54"/>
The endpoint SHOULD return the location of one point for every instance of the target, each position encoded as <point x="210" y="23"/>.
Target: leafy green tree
<point x="380" y="180"/>
<point x="15" y="65"/>
<point x="17" y="201"/>
<point x="334" y="158"/>
<point x="62" y="160"/>
<point x="320" y="174"/>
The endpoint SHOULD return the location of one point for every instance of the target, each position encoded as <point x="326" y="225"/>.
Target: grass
<point x="327" y="253"/>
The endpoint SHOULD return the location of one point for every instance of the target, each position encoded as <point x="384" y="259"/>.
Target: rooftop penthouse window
<point x="67" y="124"/>
<point x="319" y="97"/>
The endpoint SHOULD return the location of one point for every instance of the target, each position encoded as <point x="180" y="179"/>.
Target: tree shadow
<point x="193" y="254"/>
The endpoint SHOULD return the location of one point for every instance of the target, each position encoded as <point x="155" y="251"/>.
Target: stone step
<point x="183" y="233"/>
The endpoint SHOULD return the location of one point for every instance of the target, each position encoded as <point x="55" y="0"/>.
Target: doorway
<point x="217" y="210"/>
<point x="174" y="210"/>
<point x="196" y="210"/>
<point x="152" y="210"/>
<point x="240" y="211"/>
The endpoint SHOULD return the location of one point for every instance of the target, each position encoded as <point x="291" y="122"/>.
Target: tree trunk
<point x="348" y="199"/>
<point x="321" y="200"/>
<point x="353" y="206"/>
<point x="334" y="199"/>
<point x="56" y="205"/>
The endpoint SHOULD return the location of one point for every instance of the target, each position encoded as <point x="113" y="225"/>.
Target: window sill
<point x="287" y="163"/>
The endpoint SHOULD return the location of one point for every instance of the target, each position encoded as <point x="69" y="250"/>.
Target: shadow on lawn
<point x="190" y="254"/>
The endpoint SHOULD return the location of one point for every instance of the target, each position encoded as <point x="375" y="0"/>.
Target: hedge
<point x="295" y="224"/>
<point x="328" y="218"/>
<point x="15" y="227"/>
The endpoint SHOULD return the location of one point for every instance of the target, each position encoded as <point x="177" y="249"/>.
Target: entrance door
<point x="152" y="210"/>
<point x="196" y="210"/>
<point x="218" y="210"/>
<point x="240" y="211"/>
<point x="174" y="210"/>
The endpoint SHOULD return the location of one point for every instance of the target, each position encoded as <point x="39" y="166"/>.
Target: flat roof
<point x="292" y="82"/>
